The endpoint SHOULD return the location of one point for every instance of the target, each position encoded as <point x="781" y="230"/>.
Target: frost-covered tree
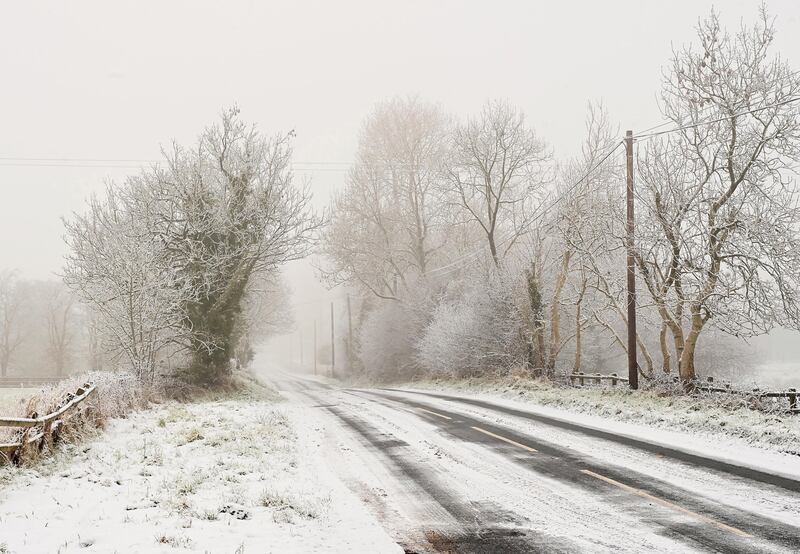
<point x="474" y="329"/>
<point x="387" y="224"/>
<point x="122" y="271"/>
<point x="496" y="173"/>
<point x="12" y="332"/>
<point x="267" y="311"/>
<point x="719" y="227"/>
<point x="167" y="257"/>
<point x="60" y="318"/>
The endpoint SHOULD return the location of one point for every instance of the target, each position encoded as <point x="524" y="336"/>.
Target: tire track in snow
<point x="559" y="463"/>
<point x="662" y="450"/>
<point x="479" y="531"/>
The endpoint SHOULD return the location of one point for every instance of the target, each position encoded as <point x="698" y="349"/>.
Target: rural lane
<point x="447" y="474"/>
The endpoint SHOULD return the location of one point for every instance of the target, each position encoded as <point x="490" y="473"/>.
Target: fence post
<point x="792" y="399"/>
<point x="581" y="377"/>
<point x="613" y="379"/>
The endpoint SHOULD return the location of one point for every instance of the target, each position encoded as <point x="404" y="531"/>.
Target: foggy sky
<point x="115" y="81"/>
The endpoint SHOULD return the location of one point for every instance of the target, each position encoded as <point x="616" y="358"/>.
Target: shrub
<point x="475" y="327"/>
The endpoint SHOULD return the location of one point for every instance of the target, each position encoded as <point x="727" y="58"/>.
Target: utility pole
<point x="315" y="347"/>
<point x="333" y="347"/>
<point x="633" y="366"/>
<point x="349" y="337"/>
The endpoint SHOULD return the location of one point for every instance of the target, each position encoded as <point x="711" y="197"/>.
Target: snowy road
<point x="446" y="475"/>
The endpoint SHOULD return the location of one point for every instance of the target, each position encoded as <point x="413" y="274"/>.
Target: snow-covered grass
<point x="712" y="415"/>
<point x="232" y="473"/>
<point x="13" y="399"/>
<point x="116" y="395"/>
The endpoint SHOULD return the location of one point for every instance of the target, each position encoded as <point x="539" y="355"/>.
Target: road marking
<point x="509" y="441"/>
<point x="434" y="413"/>
<point x="666" y="503"/>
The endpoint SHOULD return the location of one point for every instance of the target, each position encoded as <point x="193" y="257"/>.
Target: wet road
<point x="448" y="474"/>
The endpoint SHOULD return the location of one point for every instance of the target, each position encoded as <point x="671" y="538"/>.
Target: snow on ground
<point x="740" y="436"/>
<point x="766" y="501"/>
<point x="482" y="479"/>
<point x="233" y="475"/>
<point x="458" y="487"/>
<point x="11" y="399"/>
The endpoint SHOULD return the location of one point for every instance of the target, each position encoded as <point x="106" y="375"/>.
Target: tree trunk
<point x="680" y="345"/>
<point x="648" y="359"/>
<point x="493" y="247"/>
<point x="686" y="370"/>
<point x="555" y="311"/>
<point x="666" y="359"/>
<point x="578" y="339"/>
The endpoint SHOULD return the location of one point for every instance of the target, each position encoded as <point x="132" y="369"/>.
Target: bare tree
<point x="11" y="331"/>
<point x="719" y="239"/>
<point x="496" y="173"/>
<point x="386" y="224"/>
<point x="267" y="311"/>
<point x="60" y="325"/>
<point x="166" y="258"/>
<point x="122" y="271"/>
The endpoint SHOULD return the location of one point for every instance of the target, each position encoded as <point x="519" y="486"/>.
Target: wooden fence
<point x="597" y="378"/>
<point x="709" y="386"/>
<point x="789" y="394"/>
<point x="41" y="431"/>
<point x="21" y="382"/>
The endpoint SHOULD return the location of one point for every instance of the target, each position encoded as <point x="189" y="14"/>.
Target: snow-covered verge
<point x="115" y="395"/>
<point x="699" y="417"/>
<point x="13" y="399"/>
<point x="224" y="475"/>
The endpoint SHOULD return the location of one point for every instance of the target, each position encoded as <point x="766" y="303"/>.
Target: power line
<point x="718" y="120"/>
<point x="541" y="209"/>
<point x="764" y="93"/>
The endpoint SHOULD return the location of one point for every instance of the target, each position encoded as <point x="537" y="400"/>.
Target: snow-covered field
<point x="235" y="475"/>
<point x="11" y="398"/>
<point x="715" y="417"/>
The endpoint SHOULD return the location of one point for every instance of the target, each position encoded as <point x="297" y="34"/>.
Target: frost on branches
<point x="166" y="258"/>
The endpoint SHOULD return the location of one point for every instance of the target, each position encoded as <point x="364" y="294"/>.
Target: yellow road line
<point x="509" y="441"/>
<point x="666" y="503"/>
<point x="434" y="413"/>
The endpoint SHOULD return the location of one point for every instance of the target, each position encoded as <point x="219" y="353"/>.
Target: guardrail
<point x="43" y="430"/>
<point x="21" y="382"/>
<point x="596" y="378"/>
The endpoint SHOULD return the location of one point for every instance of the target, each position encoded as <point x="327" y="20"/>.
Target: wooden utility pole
<point x="633" y="366"/>
<point x="315" y="347"/>
<point x="349" y="337"/>
<point x="333" y="347"/>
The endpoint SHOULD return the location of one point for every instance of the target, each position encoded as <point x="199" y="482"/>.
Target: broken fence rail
<point x="41" y="430"/>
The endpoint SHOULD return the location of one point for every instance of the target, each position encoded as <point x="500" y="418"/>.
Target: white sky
<point x="115" y="80"/>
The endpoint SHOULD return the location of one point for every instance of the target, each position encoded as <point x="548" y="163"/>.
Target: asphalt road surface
<point x="464" y="475"/>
